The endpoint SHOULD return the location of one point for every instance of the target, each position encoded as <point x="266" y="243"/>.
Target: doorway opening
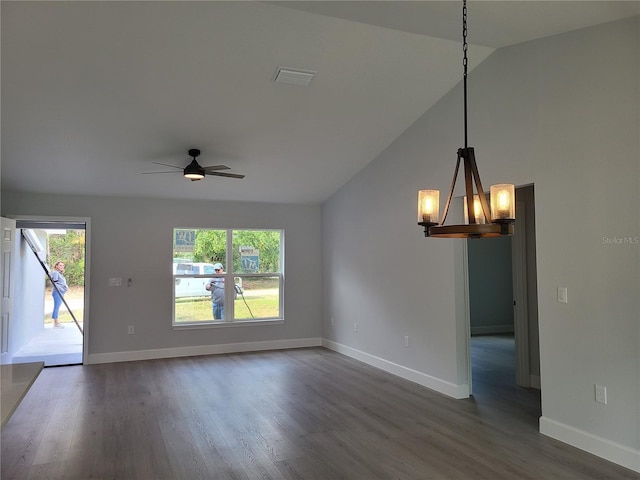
<point x="38" y="338"/>
<point x="504" y="368"/>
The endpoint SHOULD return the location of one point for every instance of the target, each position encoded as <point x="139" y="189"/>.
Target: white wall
<point x="132" y="238"/>
<point x="561" y="113"/>
<point x="29" y="286"/>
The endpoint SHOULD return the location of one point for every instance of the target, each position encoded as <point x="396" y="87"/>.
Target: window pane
<point x="257" y="297"/>
<point x="194" y="302"/>
<point x="190" y="287"/>
<point x="256" y="251"/>
<point x="195" y="255"/>
<point x="193" y="309"/>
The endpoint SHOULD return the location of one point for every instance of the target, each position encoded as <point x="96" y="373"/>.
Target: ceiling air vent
<point x="294" y="76"/>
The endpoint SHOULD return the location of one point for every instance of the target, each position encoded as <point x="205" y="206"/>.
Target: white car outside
<point x="190" y="286"/>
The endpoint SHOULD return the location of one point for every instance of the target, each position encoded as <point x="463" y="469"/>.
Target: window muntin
<point x="252" y="261"/>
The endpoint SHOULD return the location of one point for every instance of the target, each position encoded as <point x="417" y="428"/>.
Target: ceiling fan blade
<point x="168" y="165"/>
<point x="151" y="173"/>
<point x="216" y="167"/>
<point x="229" y="175"/>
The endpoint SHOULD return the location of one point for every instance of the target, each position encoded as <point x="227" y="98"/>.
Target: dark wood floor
<point x="294" y="414"/>
<point x="493" y="361"/>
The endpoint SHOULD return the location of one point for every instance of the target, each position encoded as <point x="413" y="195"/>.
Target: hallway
<point x="494" y="381"/>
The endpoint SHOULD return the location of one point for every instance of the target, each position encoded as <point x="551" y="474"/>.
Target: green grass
<point x="265" y="305"/>
<point x="262" y="306"/>
<point x="65" y="317"/>
<point x="251" y="283"/>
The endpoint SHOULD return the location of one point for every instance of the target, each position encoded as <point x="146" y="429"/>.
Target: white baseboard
<point x="442" y="386"/>
<point x="601" y="447"/>
<point x="202" y="350"/>
<point x="491" y="329"/>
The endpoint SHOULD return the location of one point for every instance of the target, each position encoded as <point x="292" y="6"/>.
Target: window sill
<point x="237" y="323"/>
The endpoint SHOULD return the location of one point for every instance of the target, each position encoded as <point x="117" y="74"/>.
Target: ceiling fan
<point x="194" y="171"/>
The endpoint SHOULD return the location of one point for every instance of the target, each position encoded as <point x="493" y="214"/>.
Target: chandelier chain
<point x="465" y="47"/>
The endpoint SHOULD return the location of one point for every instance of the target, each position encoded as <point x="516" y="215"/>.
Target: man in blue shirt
<point x="216" y="287"/>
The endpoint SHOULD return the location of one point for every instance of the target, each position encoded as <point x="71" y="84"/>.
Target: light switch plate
<point x="601" y="394"/>
<point x="562" y="294"/>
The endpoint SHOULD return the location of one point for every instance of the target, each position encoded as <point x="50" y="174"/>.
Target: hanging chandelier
<point x="482" y="222"/>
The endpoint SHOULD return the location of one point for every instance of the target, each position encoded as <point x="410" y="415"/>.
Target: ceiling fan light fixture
<point x="194" y="171"/>
<point x="193" y="176"/>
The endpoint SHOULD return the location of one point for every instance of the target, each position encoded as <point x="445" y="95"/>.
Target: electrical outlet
<point x="601" y="394"/>
<point x="406" y="340"/>
<point x="131" y="330"/>
<point x="355" y="327"/>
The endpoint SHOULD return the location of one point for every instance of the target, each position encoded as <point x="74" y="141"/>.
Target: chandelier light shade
<point x="503" y="205"/>
<point x="476" y="208"/>
<point x="429" y="206"/>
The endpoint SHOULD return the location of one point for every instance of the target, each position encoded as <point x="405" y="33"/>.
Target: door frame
<point x="87" y="267"/>
<point x="521" y="312"/>
<point x="520" y="307"/>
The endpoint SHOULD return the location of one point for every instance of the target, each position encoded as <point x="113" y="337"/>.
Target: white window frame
<point x="230" y="279"/>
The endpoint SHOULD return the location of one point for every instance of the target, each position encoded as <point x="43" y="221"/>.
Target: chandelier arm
<point x="481" y="194"/>
<point x="453" y="184"/>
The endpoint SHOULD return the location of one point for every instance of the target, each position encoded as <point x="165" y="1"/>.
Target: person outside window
<point x="59" y="281"/>
<point x="216" y="287"/>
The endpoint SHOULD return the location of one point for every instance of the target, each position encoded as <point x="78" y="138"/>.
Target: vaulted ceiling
<point x="94" y="92"/>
